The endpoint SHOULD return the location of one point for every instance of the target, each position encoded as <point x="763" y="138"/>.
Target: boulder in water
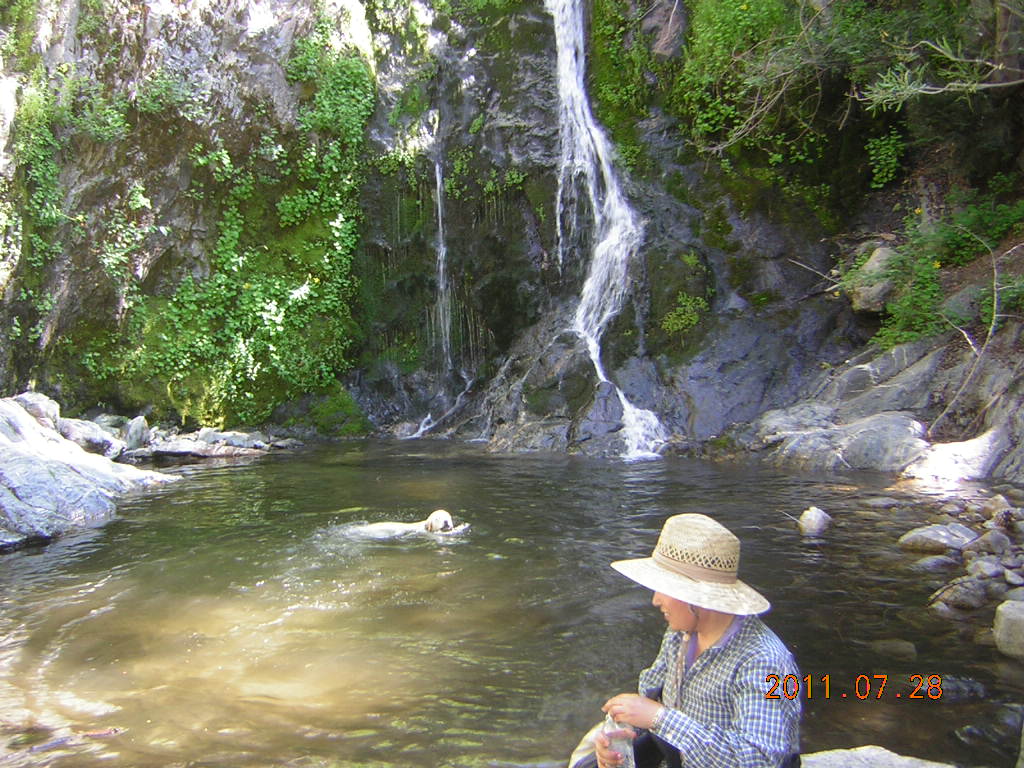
<point x="814" y="521"/>
<point x="937" y="539"/>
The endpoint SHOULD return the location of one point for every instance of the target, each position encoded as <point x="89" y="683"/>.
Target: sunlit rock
<point x="49" y="484"/>
<point x="967" y="460"/>
<point x="994" y="506"/>
<point x="883" y="442"/>
<point x="8" y="106"/>
<point x="870" y="286"/>
<point x="865" y="757"/>
<point x="984" y="568"/>
<point x="936" y="539"/>
<point x="92" y="437"/>
<point x="234" y="439"/>
<point x="41" y="408"/>
<point x="137" y="433"/>
<point x="993" y="541"/>
<point x="1008" y="628"/>
<point x="814" y="521"/>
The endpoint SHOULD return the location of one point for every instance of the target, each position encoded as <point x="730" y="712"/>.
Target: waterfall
<point x="443" y="307"/>
<point x="617" y="234"/>
<point x="443" y="318"/>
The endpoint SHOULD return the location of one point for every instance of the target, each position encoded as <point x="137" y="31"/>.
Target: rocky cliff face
<point x="757" y="337"/>
<point x="168" y="167"/>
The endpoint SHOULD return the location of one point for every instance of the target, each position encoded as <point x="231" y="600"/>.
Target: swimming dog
<point x="439" y="522"/>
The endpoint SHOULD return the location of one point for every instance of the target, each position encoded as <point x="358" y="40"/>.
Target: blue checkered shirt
<point x="717" y="714"/>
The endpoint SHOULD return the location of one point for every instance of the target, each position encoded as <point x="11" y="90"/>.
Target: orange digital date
<point x="864" y="687"/>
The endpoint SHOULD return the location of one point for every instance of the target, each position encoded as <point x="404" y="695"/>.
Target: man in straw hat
<point x="705" y="700"/>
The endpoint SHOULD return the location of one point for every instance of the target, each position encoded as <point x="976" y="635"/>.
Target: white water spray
<point x="443" y="307"/>
<point x="586" y="159"/>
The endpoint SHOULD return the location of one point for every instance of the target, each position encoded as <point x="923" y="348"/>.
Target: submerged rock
<point x="894" y="648"/>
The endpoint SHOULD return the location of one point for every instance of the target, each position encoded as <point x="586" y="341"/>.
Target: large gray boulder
<point x="136" y="433"/>
<point x="49" y="484"/>
<point x="92" y="437"/>
<point x="925" y="409"/>
<point x="936" y="539"/>
<point x="865" y="757"/>
<point x="234" y="439"/>
<point x="1008" y="629"/>
<point x="804" y="437"/>
<point x="972" y="459"/>
<point x="869" y="285"/>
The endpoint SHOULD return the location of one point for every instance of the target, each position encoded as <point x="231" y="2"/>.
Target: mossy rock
<point x="671" y="276"/>
<point x="332" y="412"/>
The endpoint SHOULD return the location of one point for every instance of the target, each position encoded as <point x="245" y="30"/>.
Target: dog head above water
<point x="439" y="521"/>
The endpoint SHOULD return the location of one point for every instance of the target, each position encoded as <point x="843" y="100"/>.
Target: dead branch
<point x="979" y="354"/>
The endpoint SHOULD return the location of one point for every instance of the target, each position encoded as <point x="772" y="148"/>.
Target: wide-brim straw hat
<point x="696" y="560"/>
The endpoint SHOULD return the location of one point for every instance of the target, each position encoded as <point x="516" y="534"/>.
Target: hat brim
<point x="736" y="598"/>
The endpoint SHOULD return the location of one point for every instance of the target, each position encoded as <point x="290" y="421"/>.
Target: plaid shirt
<point x="717" y="714"/>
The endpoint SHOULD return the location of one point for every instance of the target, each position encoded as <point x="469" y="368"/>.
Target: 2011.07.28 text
<point x="864" y="687"/>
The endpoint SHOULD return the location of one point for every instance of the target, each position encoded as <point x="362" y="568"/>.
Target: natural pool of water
<point x="235" y="618"/>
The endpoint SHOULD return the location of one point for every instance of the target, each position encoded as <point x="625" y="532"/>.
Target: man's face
<point x="677" y="614"/>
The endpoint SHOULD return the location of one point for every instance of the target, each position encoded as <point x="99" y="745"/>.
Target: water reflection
<point x="233" y="620"/>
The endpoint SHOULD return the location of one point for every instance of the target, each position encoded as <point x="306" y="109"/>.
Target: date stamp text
<point x="864" y="687"/>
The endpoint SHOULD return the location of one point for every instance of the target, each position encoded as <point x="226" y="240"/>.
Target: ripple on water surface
<point x="238" y="619"/>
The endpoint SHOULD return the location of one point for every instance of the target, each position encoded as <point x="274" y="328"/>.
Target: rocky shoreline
<point x="984" y="541"/>
<point x="970" y="548"/>
<point x="58" y="474"/>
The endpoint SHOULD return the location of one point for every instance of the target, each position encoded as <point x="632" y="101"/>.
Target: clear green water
<point x="235" y="618"/>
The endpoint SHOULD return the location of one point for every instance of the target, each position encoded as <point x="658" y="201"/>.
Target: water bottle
<point x="620" y="742"/>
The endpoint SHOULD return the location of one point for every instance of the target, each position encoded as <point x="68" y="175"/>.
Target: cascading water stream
<point x="586" y="160"/>
<point x="443" y="307"/>
<point x="442" y="314"/>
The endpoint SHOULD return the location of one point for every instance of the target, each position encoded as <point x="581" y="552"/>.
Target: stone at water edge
<point x="91" y="437"/>
<point x="814" y="521"/>
<point x="1008" y="628"/>
<point x="993" y="506"/>
<point x="865" y="757"/>
<point x="137" y="433"/>
<point x="936" y="539"/>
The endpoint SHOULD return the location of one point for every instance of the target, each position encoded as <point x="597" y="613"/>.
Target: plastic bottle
<point x="620" y="742"/>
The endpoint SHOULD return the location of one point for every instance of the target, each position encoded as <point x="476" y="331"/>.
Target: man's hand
<point x="631" y="709"/>
<point x="606" y="756"/>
